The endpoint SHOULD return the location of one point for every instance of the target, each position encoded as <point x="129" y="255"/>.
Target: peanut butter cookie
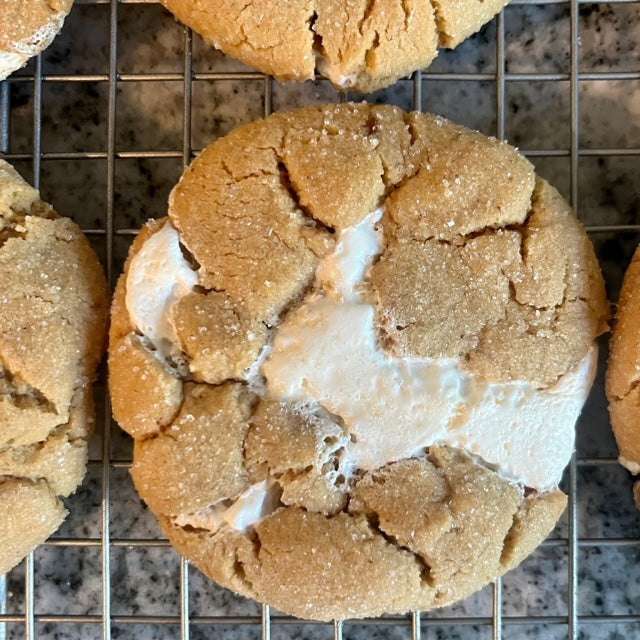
<point x="352" y="358"/>
<point x="53" y="314"/>
<point x="357" y="44"/>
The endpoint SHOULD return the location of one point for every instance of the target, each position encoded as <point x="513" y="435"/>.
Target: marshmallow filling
<point x="240" y="512"/>
<point x="327" y="353"/>
<point x="159" y="275"/>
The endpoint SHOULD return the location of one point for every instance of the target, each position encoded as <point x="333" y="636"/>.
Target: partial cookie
<point x="622" y="381"/>
<point x="352" y="358"/>
<point x="357" y="44"/>
<point x="28" y="27"/>
<point x="53" y="313"/>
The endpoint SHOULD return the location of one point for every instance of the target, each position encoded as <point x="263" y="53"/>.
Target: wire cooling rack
<point x="107" y="572"/>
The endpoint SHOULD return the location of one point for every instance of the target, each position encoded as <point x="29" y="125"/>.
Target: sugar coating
<point x="356" y="44"/>
<point x="473" y="260"/>
<point x="53" y="314"/>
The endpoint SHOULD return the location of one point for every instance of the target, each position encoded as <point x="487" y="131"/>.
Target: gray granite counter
<point x="143" y="574"/>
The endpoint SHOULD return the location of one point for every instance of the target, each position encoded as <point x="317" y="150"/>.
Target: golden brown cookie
<point x="352" y="358"/>
<point x="28" y="27"/>
<point x="622" y="381"/>
<point x="358" y="44"/>
<point x="53" y="313"/>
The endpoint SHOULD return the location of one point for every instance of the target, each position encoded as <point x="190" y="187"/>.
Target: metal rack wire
<point x="104" y="623"/>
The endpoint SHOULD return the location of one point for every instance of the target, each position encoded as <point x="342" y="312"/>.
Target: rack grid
<point x="108" y="460"/>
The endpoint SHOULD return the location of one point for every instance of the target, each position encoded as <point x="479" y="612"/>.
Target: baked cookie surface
<point x="352" y="358"/>
<point x="28" y="27"/>
<point x="357" y="44"/>
<point x="622" y="381"/>
<point x="53" y="314"/>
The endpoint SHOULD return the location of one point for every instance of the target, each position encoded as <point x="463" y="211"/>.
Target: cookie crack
<point x="54" y="306"/>
<point x="525" y="232"/>
<point x="463" y="239"/>
<point x="8" y="233"/>
<point x="552" y="307"/>
<point x="240" y="571"/>
<point x="634" y="387"/>
<point x="4" y="477"/>
<point x="414" y="136"/>
<point x="164" y="430"/>
<point x="509" y="542"/>
<point x="317" y="46"/>
<point x="21" y="394"/>
<point x="444" y="37"/>
<point x="375" y="44"/>
<point x="366" y="14"/>
<point x="289" y="187"/>
<point x="424" y="568"/>
<point x="24" y="454"/>
<point x="174" y="364"/>
<point x="290" y="246"/>
<point x="408" y="13"/>
<point x="246" y="39"/>
<point x="237" y="179"/>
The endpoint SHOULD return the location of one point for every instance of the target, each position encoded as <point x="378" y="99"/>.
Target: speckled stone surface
<point x="144" y="574"/>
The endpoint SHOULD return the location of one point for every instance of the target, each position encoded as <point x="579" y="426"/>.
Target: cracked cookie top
<point x="622" y="381"/>
<point x="27" y="27"/>
<point x="357" y="44"/>
<point x="53" y="308"/>
<point x="362" y="317"/>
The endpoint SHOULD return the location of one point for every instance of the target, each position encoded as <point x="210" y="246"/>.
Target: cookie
<point x="357" y="44"/>
<point x="53" y="314"/>
<point x="28" y="27"/>
<point x="622" y="380"/>
<point x="352" y="358"/>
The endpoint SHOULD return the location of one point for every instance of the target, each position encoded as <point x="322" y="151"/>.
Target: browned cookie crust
<point x="623" y="371"/>
<point x="464" y="219"/>
<point x="357" y="44"/>
<point x="27" y="27"/>
<point x="53" y="313"/>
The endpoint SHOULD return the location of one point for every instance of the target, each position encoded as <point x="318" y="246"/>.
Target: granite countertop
<point x="144" y="575"/>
